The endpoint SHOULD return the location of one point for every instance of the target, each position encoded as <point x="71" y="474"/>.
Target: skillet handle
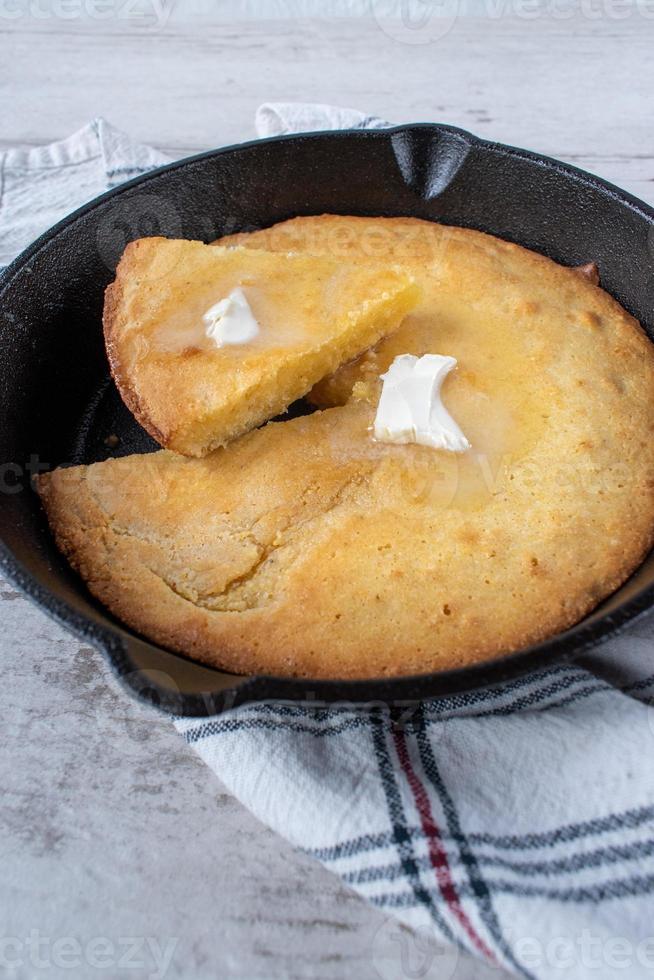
<point x="430" y="158"/>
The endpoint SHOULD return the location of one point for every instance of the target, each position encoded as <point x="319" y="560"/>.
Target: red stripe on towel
<point x="437" y="853"/>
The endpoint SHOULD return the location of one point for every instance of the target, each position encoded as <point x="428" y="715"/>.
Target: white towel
<point x="515" y="823"/>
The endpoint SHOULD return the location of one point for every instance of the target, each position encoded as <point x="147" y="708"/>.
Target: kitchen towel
<point x="516" y="823"/>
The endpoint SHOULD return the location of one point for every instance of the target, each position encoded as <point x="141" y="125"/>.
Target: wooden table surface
<point x="109" y="826"/>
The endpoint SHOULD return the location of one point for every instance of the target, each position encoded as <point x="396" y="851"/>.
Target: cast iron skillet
<point x="57" y="403"/>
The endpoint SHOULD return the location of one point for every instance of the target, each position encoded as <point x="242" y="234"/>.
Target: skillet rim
<point x="116" y="642"/>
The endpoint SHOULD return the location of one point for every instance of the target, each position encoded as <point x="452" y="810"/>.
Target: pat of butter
<point x="231" y="321"/>
<point x="410" y="409"/>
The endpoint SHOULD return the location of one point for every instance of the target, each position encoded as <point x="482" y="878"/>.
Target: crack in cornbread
<point x="305" y="548"/>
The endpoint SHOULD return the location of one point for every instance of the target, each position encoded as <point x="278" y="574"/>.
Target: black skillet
<point x="58" y="405"/>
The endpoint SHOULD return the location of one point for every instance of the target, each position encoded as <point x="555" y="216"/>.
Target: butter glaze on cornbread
<point x="314" y="313"/>
<point x="305" y="548"/>
<point x="474" y="287"/>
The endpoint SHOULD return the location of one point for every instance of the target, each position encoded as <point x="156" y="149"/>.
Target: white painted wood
<point x="578" y="89"/>
<point x="109" y="825"/>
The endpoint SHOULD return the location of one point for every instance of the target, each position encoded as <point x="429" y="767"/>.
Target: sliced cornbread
<point x="313" y="313"/>
<point x="307" y="548"/>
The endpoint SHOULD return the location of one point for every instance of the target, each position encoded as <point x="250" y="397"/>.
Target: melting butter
<point x="231" y="320"/>
<point x="410" y="409"/>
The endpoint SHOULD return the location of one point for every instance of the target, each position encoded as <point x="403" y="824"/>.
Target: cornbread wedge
<point x="474" y="287"/>
<point x="306" y="548"/>
<point x="313" y="314"/>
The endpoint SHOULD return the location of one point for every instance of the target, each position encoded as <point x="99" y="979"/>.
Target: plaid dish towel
<point x="516" y="824"/>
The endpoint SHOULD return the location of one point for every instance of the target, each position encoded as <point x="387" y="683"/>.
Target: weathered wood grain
<point x="577" y="89"/>
<point x="109" y="826"/>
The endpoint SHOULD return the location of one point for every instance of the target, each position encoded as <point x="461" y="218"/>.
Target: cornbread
<point x="312" y="314"/>
<point x="488" y="303"/>
<point x="307" y="548"/>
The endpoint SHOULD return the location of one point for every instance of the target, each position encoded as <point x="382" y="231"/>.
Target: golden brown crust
<point x="450" y="264"/>
<point x="192" y="396"/>
<point x="113" y="297"/>
<point x="307" y="549"/>
<point x="588" y="271"/>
